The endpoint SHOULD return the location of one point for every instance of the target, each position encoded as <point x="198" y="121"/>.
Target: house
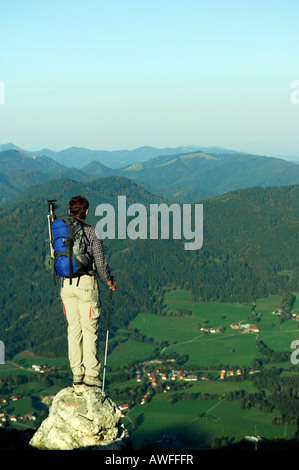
<point x="154" y="382"/>
<point x="145" y="396"/>
<point x="124" y="407"/>
<point x="190" y="378"/>
<point x="277" y="313"/>
<point x="250" y="328"/>
<point x="15" y="397"/>
<point x="254" y="328"/>
<point x="174" y="375"/>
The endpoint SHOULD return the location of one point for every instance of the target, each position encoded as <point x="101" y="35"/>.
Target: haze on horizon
<point x="125" y="74"/>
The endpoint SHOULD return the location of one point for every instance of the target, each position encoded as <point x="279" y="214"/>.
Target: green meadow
<point x="230" y="347"/>
<point x="227" y="348"/>
<point x="194" y="423"/>
<point x="199" y="422"/>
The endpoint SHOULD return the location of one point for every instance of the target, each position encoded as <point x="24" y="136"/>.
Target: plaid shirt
<point x="97" y="251"/>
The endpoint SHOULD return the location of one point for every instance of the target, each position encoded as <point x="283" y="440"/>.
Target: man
<point x="81" y="303"/>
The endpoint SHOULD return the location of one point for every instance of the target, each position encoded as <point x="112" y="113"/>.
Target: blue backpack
<point x="71" y="258"/>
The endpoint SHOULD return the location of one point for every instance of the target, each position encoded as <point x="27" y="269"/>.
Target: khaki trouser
<point x="81" y="306"/>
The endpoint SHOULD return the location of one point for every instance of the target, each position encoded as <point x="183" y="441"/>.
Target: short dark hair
<point x="78" y="206"/>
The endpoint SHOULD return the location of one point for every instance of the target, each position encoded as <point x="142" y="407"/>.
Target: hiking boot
<point x="78" y="379"/>
<point x="92" y="381"/>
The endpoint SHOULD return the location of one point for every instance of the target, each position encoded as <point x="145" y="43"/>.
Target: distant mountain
<point x="9" y="146"/>
<point x="79" y="156"/>
<point x="184" y="173"/>
<point x="19" y="170"/>
<point x="19" y="160"/>
<point x="200" y="175"/>
<point x="184" y="177"/>
<point x="97" y="169"/>
<point x="289" y="158"/>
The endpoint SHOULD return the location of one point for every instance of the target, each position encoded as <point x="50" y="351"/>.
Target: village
<point x="246" y="327"/>
<point x="156" y="377"/>
<point x="42" y="369"/>
<point x="152" y="373"/>
<point x="280" y="312"/>
<point x="165" y="380"/>
<point x="6" y="419"/>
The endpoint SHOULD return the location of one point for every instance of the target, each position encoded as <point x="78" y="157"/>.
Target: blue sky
<point x="122" y="74"/>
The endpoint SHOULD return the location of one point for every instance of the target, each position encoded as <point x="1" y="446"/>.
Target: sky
<point x="121" y="74"/>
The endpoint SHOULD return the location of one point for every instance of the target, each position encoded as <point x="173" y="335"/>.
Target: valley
<point x="178" y="384"/>
<point x="200" y="341"/>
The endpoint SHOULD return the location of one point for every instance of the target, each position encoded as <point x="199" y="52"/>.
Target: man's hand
<point x="112" y="284"/>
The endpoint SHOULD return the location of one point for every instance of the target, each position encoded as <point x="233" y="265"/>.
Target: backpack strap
<point x="71" y="262"/>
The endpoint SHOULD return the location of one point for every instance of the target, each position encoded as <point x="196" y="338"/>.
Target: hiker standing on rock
<point x="80" y="294"/>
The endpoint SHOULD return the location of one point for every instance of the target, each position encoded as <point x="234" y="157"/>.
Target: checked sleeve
<point x="96" y="249"/>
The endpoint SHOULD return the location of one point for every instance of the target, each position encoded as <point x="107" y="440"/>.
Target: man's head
<point x="78" y="207"/>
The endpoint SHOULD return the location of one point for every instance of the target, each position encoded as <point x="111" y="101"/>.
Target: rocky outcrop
<point x="80" y="417"/>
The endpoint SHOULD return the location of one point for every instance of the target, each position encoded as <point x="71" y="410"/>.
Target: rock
<point x="80" y="417"/>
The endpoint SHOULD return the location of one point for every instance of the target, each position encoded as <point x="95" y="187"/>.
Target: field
<point x="221" y="419"/>
<point x="183" y="334"/>
<point x="207" y="417"/>
<point x="162" y="423"/>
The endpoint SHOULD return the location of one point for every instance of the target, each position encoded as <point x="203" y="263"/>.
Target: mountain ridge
<point x="73" y="156"/>
<point x="182" y="177"/>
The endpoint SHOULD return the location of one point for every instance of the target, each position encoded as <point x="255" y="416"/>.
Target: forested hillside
<point x="200" y="175"/>
<point x="184" y="177"/>
<point x="250" y="249"/>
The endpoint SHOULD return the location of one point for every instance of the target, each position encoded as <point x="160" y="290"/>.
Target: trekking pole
<point x="107" y="336"/>
<point x="51" y="217"/>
